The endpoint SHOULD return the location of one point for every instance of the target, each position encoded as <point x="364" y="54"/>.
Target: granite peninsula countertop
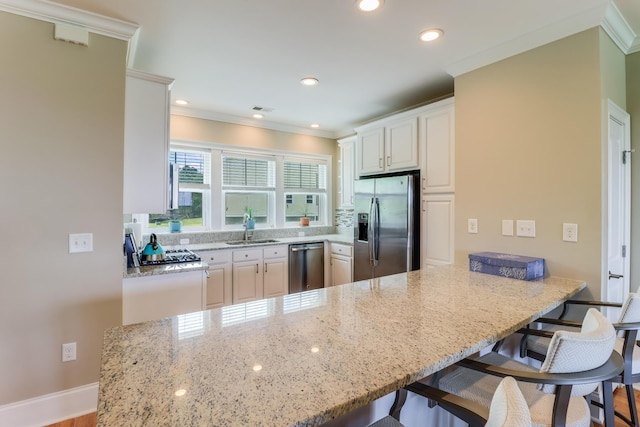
<point x="306" y="358"/>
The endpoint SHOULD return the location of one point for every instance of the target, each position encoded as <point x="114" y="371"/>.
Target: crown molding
<point x="229" y="118"/>
<point x="48" y="11"/>
<point x="558" y="30"/>
<point x="617" y="27"/>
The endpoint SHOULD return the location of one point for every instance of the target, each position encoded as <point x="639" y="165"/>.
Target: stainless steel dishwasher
<point x="306" y="266"/>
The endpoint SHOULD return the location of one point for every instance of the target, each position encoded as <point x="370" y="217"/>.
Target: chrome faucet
<point x="247" y="235"/>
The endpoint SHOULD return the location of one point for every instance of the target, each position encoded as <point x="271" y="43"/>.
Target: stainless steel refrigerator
<point x="387" y="225"/>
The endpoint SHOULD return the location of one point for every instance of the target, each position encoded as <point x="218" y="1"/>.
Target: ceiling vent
<point x="262" y="109"/>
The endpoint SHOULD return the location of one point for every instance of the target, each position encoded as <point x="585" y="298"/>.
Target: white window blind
<point x="247" y="172"/>
<point x="194" y="167"/>
<point x="304" y="175"/>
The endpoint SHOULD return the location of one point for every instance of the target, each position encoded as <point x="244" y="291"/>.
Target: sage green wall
<point x="194" y="129"/>
<point x="528" y="146"/>
<point x="633" y="108"/>
<point x="62" y="121"/>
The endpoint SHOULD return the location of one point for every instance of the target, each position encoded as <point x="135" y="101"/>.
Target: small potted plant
<point x="304" y="221"/>
<point x="250" y="221"/>
<point x="175" y="225"/>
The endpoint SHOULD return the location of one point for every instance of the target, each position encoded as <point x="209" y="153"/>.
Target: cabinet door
<point x="370" y="151"/>
<point x="219" y="286"/>
<point x="275" y="281"/>
<point x="146" y="143"/>
<point x="347" y="157"/>
<point x="340" y="270"/>
<point x="437" y="229"/>
<point x="438" y="170"/>
<point x="401" y="145"/>
<point x="247" y="281"/>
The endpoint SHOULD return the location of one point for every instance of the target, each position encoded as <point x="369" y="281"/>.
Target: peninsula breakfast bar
<point x="306" y="358"/>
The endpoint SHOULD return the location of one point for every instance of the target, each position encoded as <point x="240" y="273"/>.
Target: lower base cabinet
<point x="341" y="260"/>
<point x="276" y="271"/>
<point x="219" y="276"/>
<point x="154" y="297"/>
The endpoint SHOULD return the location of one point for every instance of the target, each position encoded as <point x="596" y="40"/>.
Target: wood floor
<point x="88" y="420"/>
<point x="619" y="401"/>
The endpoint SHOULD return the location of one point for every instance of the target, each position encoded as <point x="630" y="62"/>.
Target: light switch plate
<point x="80" y="243"/>
<point x="526" y="228"/>
<point x="507" y="227"/>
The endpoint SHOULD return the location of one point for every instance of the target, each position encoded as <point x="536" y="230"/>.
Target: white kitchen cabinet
<point x="219" y="288"/>
<point x="276" y="271"/>
<point x="247" y="275"/>
<point x="347" y="169"/>
<point x="341" y="261"/>
<point x="146" y="143"/>
<point x="388" y="145"/>
<point x="437" y="230"/>
<point x="438" y="156"/>
<point x="370" y="151"/>
<point x="154" y="297"/>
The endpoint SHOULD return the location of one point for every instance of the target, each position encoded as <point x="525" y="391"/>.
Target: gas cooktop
<point x="174" y="256"/>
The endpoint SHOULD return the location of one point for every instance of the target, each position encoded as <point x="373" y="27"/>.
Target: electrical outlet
<point x="507" y="227"/>
<point x="472" y="225"/>
<point x="570" y="232"/>
<point x="69" y="352"/>
<point x="526" y="228"/>
<point x="80" y="243"/>
<point x="184" y="241"/>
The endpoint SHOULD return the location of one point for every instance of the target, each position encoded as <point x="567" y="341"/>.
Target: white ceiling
<point x="227" y="56"/>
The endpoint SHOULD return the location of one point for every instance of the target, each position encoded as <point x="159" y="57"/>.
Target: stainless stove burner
<point x="174" y="256"/>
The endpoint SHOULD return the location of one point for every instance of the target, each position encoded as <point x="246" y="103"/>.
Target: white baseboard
<point x="51" y="408"/>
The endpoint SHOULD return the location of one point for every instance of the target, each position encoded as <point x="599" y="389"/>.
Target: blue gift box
<point x="506" y="265"/>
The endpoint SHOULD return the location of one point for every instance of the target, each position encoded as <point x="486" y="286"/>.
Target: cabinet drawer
<point x="247" y="255"/>
<point x="275" y="252"/>
<point x="339" y="249"/>
<point x="215" y="257"/>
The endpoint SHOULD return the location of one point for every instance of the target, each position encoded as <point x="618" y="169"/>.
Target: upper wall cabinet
<point x="388" y="145"/>
<point x="146" y="143"/>
<point x="347" y="168"/>
<point x="438" y="153"/>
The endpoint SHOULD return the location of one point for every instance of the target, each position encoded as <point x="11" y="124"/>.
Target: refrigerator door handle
<point x="370" y="232"/>
<point x="374" y="228"/>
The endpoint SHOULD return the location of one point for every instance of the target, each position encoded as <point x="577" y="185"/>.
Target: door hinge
<point x="624" y="251"/>
<point x="624" y="155"/>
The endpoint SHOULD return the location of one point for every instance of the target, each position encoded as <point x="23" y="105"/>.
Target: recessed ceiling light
<point x="431" y="34"/>
<point x="369" y="5"/>
<point x="182" y="102"/>
<point x="257" y="116"/>
<point x="315" y="125"/>
<point x="309" y="81"/>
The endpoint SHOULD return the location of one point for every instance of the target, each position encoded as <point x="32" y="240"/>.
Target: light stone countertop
<point x="322" y="353"/>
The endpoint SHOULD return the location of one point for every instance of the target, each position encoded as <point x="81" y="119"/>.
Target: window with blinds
<point x="304" y="175"/>
<point x="248" y="172"/>
<point x="194" y="183"/>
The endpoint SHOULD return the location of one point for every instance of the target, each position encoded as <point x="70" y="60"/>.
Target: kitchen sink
<point x="250" y="242"/>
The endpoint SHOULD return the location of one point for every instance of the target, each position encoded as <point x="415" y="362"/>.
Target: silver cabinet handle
<point x="380" y="163"/>
<point x="265" y="267"/>
<point x="388" y="160"/>
<point x="257" y="268"/>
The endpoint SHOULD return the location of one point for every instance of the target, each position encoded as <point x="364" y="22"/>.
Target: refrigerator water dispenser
<point x="363" y="227"/>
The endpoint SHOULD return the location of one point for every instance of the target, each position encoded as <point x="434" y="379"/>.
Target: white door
<point x="616" y="275"/>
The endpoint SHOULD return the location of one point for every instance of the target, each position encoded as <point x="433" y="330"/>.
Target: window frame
<point x="215" y="220"/>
